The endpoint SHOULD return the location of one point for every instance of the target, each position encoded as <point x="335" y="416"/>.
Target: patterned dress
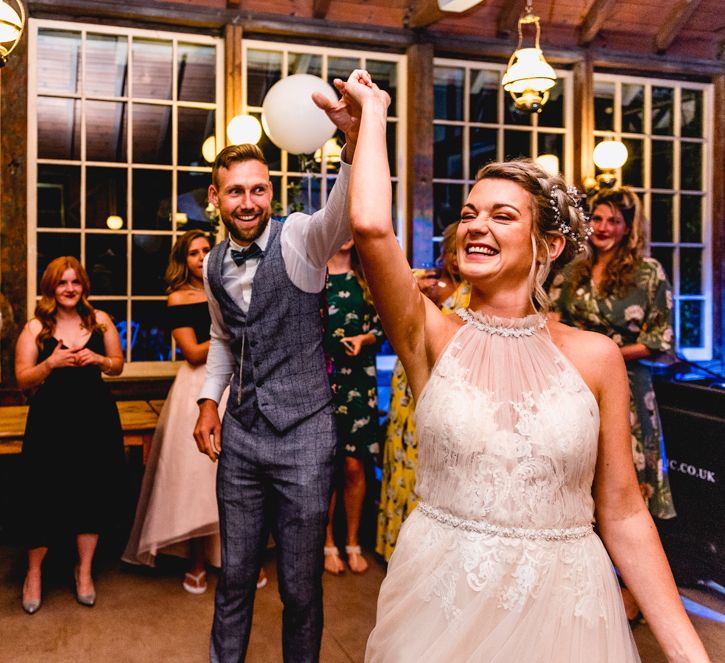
<point x="354" y="379"/>
<point x="644" y="316"/>
<point x="400" y="455"/>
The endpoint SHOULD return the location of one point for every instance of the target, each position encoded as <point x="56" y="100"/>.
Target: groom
<point x="278" y="440"/>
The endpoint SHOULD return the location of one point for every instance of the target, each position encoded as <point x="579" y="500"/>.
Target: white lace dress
<point x="499" y="562"/>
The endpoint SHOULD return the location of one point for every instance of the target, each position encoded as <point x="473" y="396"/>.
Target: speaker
<point x="693" y="421"/>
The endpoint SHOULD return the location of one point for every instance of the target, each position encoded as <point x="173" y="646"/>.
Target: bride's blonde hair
<point x="554" y="210"/>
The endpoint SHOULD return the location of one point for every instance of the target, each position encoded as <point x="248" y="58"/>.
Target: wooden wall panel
<point x="13" y="198"/>
<point x="583" y="121"/>
<point x="232" y="73"/>
<point x="420" y="153"/>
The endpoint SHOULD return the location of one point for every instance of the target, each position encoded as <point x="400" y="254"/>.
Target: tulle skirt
<point x="454" y="596"/>
<point x="178" y="495"/>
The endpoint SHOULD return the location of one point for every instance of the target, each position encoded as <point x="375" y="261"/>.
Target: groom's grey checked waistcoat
<point x="279" y="342"/>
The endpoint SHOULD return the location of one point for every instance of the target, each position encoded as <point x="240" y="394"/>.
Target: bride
<point x="523" y="439"/>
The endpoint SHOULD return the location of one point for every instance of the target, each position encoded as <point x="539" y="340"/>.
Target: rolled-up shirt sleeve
<point x="220" y="360"/>
<point x="308" y="242"/>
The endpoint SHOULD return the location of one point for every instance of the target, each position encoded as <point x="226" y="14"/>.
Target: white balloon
<point x="290" y="117"/>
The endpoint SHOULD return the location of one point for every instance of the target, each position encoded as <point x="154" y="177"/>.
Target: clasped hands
<point x="345" y="113"/>
<point x="63" y="357"/>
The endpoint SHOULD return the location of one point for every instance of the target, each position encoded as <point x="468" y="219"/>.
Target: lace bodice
<point x="507" y="428"/>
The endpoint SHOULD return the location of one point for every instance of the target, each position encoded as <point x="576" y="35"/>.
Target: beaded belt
<point x="482" y="527"/>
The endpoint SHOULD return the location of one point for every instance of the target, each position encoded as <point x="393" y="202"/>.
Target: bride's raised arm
<point x="404" y="311"/>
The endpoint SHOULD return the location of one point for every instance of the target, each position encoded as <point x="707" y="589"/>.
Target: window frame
<point x="567" y="78"/>
<point x="131" y="368"/>
<point x="705" y="351"/>
<point x="400" y="119"/>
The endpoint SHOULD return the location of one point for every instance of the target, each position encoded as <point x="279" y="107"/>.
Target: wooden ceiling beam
<point x="637" y="63"/>
<point x="508" y="17"/>
<point x="597" y="15"/>
<point x="424" y="13"/>
<point x="320" y="8"/>
<point x="675" y="21"/>
<point x="135" y="11"/>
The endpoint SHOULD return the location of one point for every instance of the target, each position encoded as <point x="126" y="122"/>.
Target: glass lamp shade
<point x="114" y="222"/>
<point x="12" y="23"/>
<point x="610" y="155"/>
<point x="456" y="6"/>
<point x="333" y="152"/>
<point x="208" y="149"/>
<point x="244" y="129"/>
<point x="528" y="70"/>
<point x="549" y="162"/>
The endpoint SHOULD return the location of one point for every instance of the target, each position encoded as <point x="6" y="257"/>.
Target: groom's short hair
<point x="233" y="153"/>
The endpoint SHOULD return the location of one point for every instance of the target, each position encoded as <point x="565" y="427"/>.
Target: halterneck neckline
<point x="500" y="326"/>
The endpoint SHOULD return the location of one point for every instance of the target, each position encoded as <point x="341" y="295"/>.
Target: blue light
<point x="695" y="608"/>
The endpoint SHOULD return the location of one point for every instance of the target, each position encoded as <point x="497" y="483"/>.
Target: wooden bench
<point x="138" y="421"/>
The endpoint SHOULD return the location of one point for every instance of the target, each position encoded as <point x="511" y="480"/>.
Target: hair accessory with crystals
<point x="574" y="199"/>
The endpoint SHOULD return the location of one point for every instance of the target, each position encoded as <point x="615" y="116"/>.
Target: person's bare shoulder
<point x="177" y="297"/>
<point x="33" y="327"/>
<point x="102" y="318"/>
<point x="185" y="296"/>
<point x="591" y="353"/>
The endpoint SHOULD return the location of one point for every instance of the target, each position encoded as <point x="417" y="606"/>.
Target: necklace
<point x="193" y="287"/>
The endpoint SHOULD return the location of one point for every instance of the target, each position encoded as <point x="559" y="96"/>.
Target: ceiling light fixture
<point x="549" y="162"/>
<point x="244" y="129"/>
<point x="529" y="77"/>
<point x="609" y="156"/>
<point x="12" y="22"/>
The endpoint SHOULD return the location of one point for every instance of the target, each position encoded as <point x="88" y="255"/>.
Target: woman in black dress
<point x="73" y="445"/>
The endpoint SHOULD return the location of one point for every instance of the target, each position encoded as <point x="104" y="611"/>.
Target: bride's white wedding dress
<point x="499" y="562"/>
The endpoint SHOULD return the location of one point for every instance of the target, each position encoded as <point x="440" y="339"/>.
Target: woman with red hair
<point x="73" y="446"/>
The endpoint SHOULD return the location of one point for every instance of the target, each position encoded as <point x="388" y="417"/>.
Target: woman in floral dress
<point x="353" y="334"/>
<point x="626" y="296"/>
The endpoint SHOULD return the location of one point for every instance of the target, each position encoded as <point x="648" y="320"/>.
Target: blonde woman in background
<point x="400" y="454"/>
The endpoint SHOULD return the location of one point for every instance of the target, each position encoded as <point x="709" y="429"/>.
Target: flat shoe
<point x="31" y="607"/>
<point x="87" y="600"/>
<point x="197" y="584"/>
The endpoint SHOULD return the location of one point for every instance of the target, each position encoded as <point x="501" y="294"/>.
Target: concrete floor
<point x="145" y="616"/>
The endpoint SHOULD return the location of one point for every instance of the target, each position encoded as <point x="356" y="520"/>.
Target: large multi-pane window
<point x="666" y="126"/>
<point x="303" y="182"/>
<point x="117" y="120"/>
<point x="475" y="122"/>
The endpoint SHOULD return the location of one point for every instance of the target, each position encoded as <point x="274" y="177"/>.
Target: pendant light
<point x="529" y="77"/>
<point x="12" y="22"/>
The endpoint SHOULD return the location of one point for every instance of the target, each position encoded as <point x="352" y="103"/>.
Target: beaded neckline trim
<point x="528" y="326"/>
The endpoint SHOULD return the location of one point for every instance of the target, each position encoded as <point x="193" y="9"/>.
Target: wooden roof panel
<point x="632" y="27"/>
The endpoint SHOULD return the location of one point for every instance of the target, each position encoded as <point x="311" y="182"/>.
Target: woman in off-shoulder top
<point x="177" y="510"/>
